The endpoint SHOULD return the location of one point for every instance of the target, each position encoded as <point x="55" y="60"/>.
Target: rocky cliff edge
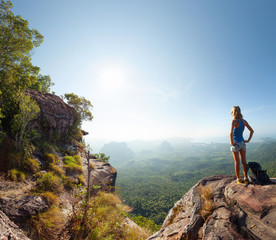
<point x="236" y="212"/>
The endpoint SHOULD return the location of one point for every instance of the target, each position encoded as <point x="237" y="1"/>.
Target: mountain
<point x="218" y="208"/>
<point x="118" y="151"/>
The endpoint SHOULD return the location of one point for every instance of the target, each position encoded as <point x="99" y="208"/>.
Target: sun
<point x="113" y="76"/>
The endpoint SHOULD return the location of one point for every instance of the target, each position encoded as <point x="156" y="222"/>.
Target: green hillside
<point x="152" y="181"/>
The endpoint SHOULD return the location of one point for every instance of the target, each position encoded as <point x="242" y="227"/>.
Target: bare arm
<point x="250" y="129"/>
<point x="231" y="132"/>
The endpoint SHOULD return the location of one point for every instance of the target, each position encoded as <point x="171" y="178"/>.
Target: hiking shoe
<point x="245" y="181"/>
<point x="239" y="181"/>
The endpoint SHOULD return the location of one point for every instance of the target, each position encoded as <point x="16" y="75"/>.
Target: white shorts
<point x="238" y="147"/>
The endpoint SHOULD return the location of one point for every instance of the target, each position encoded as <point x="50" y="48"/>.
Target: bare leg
<point x="243" y="160"/>
<point x="237" y="163"/>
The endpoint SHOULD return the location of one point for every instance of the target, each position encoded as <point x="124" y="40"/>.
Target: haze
<point x="161" y="69"/>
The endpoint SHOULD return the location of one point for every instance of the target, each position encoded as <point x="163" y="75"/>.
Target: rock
<point x="101" y="174"/>
<point x="239" y="212"/>
<point x="20" y="210"/>
<point x="9" y="230"/>
<point x="56" y="117"/>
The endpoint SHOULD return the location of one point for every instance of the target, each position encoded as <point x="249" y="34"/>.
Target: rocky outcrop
<point x="21" y="209"/>
<point x="238" y="212"/>
<point x="9" y="230"/>
<point x="56" y="117"/>
<point x="101" y="174"/>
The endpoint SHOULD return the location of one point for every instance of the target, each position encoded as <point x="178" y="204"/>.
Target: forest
<point x="152" y="180"/>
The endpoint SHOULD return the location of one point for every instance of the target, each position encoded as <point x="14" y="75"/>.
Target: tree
<point x="81" y="105"/>
<point x="21" y="125"/>
<point x="16" y="70"/>
<point x="43" y="83"/>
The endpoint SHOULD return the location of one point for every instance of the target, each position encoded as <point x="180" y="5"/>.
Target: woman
<point x="238" y="146"/>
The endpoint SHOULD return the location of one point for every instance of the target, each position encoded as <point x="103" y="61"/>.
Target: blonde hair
<point x="236" y="112"/>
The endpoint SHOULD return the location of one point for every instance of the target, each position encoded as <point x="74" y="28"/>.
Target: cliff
<point x="47" y="184"/>
<point x="218" y="208"/>
<point x="55" y="118"/>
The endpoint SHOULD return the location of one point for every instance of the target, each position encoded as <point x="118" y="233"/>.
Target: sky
<point x="156" y="69"/>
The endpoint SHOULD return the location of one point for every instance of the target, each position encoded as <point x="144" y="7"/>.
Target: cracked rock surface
<point x="239" y="212"/>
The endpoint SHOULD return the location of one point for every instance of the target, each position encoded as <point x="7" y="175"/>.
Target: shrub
<point x="73" y="168"/>
<point x="50" y="198"/>
<point x="146" y="223"/>
<point x="49" y="182"/>
<point x="69" y="183"/>
<point x="32" y="165"/>
<point x="48" y="225"/>
<point x="73" y="159"/>
<point x="51" y="158"/>
<point x="73" y="164"/>
<point x="208" y="205"/>
<point x="56" y="169"/>
<point x="16" y="175"/>
<point x="81" y="179"/>
<point x="105" y="219"/>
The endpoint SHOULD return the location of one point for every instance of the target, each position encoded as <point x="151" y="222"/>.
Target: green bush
<point x="73" y="164"/>
<point x="56" y="169"/>
<point x="49" y="183"/>
<point x="105" y="219"/>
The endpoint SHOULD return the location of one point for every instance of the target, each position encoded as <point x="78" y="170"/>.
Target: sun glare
<point x="113" y="77"/>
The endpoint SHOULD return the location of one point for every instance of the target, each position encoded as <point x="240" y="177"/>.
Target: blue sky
<point x="161" y="69"/>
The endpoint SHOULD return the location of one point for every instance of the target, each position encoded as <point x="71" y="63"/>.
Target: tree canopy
<point x="17" y="73"/>
<point x="81" y="105"/>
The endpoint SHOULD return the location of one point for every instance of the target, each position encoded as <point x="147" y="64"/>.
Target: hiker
<point x="237" y="142"/>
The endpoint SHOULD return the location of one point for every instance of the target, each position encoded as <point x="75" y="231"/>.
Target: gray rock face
<point x="20" y="210"/>
<point x="56" y="117"/>
<point x="101" y="174"/>
<point x="239" y="212"/>
<point x="9" y="230"/>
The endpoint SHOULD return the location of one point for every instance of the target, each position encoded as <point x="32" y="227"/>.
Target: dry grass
<point x="49" y="182"/>
<point x="32" y="165"/>
<point x="57" y="169"/>
<point x="16" y="175"/>
<point x="50" y="198"/>
<point x="106" y="220"/>
<point x="176" y="211"/>
<point x="208" y="205"/>
<point x="48" y="225"/>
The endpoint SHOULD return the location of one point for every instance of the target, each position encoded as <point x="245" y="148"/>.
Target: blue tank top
<point x="237" y="132"/>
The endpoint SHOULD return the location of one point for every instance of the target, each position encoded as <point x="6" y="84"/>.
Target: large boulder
<point x="102" y="175"/>
<point x="56" y="117"/>
<point x="21" y="209"/>
<point x="238" y="212"/>
<point x="9" y="230"/>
